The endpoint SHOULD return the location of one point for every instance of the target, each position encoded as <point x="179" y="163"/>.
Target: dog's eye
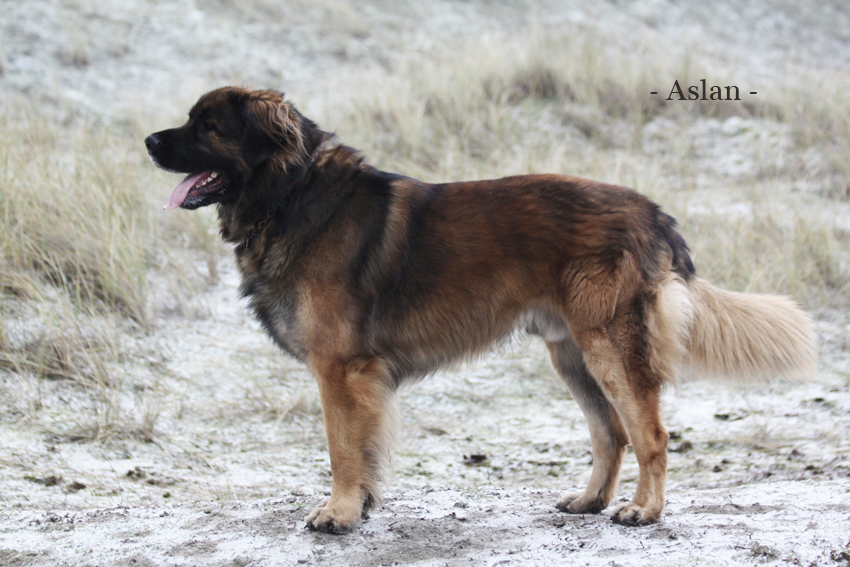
<point x="210" y="126"/>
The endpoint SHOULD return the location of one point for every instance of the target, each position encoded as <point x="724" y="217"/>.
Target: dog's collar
<point x="258" y="227"/>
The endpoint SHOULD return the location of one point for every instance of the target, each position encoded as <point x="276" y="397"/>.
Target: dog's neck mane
<point x="287" y="209"/>
<point x="291" y="183"/>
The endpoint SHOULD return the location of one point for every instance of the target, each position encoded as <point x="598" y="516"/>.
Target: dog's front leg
<point x="358" y="407"/>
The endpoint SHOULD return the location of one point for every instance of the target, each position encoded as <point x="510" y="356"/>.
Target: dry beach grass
<point x="80" y="219"/>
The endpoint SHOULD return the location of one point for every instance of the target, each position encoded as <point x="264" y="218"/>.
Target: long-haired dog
<point x="372" y="279"/>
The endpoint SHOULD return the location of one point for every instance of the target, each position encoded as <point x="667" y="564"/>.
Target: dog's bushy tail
<point x="747" y="337"/>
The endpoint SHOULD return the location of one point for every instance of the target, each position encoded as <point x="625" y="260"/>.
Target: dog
<point x="374" y="279"/>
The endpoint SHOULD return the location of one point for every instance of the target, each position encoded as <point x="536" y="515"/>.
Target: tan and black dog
<point x="372" y="279"/>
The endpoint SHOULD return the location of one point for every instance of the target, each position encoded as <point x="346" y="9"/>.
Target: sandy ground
<point x="757" y="476"/>
<point x="444" y="526"/>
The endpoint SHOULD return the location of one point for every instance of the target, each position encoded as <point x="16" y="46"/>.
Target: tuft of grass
<point x="277" y="406"/>
<point x="76" y="53"/>
<point x="476" y="100"/>
<point x="817" y="105"/>
<point x="81" y="239"/>
<point x="788" y="253"/>
<point x="61" y="342"/>
<point x="110" y="416"/>
<point x="73" y="382"/>
<point x="82" y="223"/>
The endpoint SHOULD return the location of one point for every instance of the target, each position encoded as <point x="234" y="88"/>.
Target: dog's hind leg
<point x="360" y="412"/>
<point x="608" y="437"/>
<point x="634" y="389"/>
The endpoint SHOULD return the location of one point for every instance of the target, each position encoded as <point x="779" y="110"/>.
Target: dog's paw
<point x="632" y="514"/>
<point x="581" y="503"/>
<point x="333" y="519"/>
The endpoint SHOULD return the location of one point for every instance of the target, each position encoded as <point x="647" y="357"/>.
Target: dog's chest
<point x="281" y="323"/>
<point x="276" y="307"/>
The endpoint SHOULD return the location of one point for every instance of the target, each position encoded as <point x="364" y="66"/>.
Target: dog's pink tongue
<point x="182" y="189"/>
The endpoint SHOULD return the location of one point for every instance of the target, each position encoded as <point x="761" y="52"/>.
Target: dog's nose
<point x="152" y="142"/>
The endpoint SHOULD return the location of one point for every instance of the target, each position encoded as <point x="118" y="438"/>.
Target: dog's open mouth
<point x="195" y="186"/>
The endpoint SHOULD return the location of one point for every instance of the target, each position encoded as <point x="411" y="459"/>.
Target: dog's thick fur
<point x="372" y="279"/>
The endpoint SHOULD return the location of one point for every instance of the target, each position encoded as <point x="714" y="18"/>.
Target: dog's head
<point x="232" y="135"/>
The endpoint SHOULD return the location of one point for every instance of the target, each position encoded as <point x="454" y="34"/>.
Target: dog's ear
<point x="271" y="124"/>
